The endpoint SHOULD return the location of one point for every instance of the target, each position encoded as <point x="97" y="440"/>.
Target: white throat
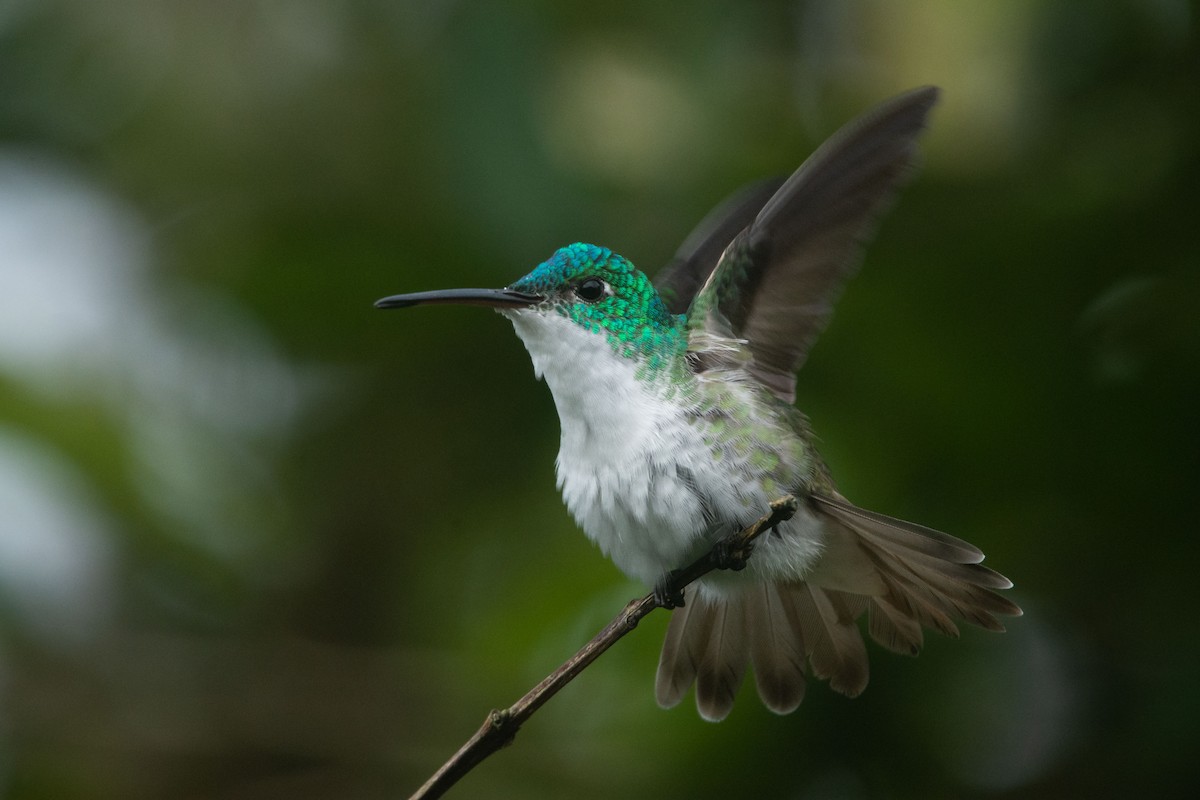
<point x="606" y="412"/>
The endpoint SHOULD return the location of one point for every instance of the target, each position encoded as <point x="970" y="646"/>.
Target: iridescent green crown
<point x="629" y="312"/>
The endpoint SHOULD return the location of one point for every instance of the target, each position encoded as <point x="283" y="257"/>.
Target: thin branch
<point x="500" y="727"/>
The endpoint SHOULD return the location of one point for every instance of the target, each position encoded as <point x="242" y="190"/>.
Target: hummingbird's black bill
<point x="492" y="298"/>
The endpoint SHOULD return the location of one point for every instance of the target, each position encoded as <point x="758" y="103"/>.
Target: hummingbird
<point x="678" y="428"/>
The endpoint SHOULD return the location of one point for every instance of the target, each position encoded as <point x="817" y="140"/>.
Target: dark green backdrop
<point x="258" y="539"/>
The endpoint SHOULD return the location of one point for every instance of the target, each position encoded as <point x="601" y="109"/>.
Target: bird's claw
<point x="730" y="553"/>
<point x="666" y="594"/>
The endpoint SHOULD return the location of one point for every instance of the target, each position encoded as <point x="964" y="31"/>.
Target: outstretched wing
<point x="678" y="282"/>
<point x="776" y="282"/>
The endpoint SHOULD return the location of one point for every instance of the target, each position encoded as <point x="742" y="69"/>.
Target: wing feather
<point x="678" y="282"/>
<point x="776" y="282"/>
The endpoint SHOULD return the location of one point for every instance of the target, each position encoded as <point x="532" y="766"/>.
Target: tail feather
<point x="947" y="591"/>
<point x="834" y="646"/>
<point x="893" y="628"/>
<point x="920" y="605"/>
<point x="975" y="574"/>
<point x="930" y="576"/>
<point x="776" y="649"/>
<point x="723" y="665"/>
<point x="899" y="533"/>
<point x="687" y="639"/>
<point x="903" y="576"/>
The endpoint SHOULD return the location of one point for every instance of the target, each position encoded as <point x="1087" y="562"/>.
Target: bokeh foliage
<point x="260" y="540"/>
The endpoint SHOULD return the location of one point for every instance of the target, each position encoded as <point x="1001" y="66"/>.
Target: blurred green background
<point x="259" y="540"/>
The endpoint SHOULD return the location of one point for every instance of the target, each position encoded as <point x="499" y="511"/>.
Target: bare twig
<point x="500" y="727"/>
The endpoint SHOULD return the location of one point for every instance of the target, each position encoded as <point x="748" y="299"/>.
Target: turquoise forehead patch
<point x="571" y="263"/>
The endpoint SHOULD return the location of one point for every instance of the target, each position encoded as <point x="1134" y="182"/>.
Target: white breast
<point x="630" y="462"/>
<point x="620" y="445"/>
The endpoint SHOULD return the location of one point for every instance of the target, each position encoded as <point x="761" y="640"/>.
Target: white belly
<point x="636" y="471"/>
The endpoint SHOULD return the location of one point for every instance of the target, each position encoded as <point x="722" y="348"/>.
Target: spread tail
<point x="904" y="576"/>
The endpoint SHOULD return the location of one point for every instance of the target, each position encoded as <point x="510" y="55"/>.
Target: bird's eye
<point x="590" y="290"/>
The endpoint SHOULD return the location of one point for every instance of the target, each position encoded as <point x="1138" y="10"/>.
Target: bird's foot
<point x="666" y="594"/>
<point x="730" y="553"/>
